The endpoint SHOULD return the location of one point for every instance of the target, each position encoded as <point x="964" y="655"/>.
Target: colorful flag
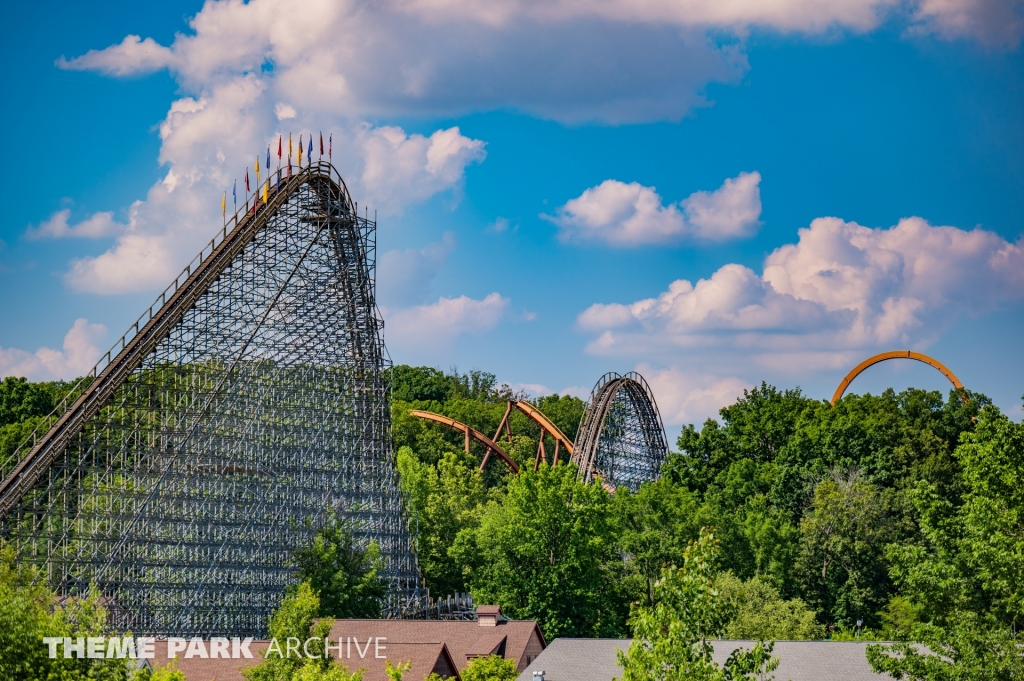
<point x="278" y="147"/>
<point x="265" y="190"/>
<point x="224" y="205"/>
<point x="309" y="156"/>
<point x="268" y="161"/>
<point x="278" y="180"/>
<point x="246" y="180"/>
<point x="289" y="148"/>
<point x="330" y="144"/>
<point x="321" y="145"/>
<point x="234" y="194"/>
<point x="300" y="151"/>
<point x="257" y="166"/>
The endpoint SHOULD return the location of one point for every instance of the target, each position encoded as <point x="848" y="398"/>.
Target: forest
<point x="896" y="517"/>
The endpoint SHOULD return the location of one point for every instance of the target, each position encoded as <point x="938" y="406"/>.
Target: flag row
<point x="283" y="167"/>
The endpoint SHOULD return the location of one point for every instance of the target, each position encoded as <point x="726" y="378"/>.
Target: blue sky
<point x="822" y="181"/>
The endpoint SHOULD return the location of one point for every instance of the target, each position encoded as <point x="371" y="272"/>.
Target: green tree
<point x="395" y="672"/>
<point x="671" y="638"/>
<point x="29" y="612"/>
<point x="965" y="578"/>
<point x="762" y="614"/>
<point x="490" y="668"/>
<point x="842" y="544"/>
<point x="20" y="400"/>
<point x="169" y="672"/>
<point x="442" y="502"/>
<point x="296" y="618"/>
<point x="652" y="529"/>
<point x="347" y="578"/>
<point x="543" y="551"/>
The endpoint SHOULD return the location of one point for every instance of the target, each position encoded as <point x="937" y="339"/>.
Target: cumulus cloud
<point x="57" y="226"/>
<point x="404" y="276"/>
<point x="396" y="58"/>
<point x="569" y="59"/>
<point x="335" y="65"/>
<point x="841" y="286"/>
<point x="996" y="23"/>
<point x="424" y="330"/>
<point x="400" y="168"/>
<point x="626" y="215"/>
<point x="131" y="57"/>
<point x="208" y="140"/>
<point x="686" y="396"/>
<point x="78" y="356"/>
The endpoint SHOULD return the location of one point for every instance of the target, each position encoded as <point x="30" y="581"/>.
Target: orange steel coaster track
<point x="546" y="426"/>
<point x="621" y="440"/>
<point x="900" y="354"/>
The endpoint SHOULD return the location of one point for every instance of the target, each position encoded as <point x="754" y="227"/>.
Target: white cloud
<point x="131" y="57"/>
<point x="996" y="23"/>
<point x="614" y="60"/>
<point x="686" y="396"/>
<point x="499" y="226"/>
<point x="840" y="287"/>
<point x="284" y="111"/>
<point x="210" y="140"/>
<point x="531" y="389"/>
<point x="626" y="215"/>
<point x="335" y="65"/>
<point x="57" y="227"/>
<point x="390" y="58"/>
<point x="404" y="276"/>
<point x="400" y="168"/>
<point x="425" y="330"/>
<point x="730" y="212"/>
<point x="79" y="355"/>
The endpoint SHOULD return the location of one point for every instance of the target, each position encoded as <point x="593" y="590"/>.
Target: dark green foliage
<point x="900" y="510"/>
<point x="490" y="668"/>
<point x="296" y="619"/>
<point x="965" y="577"/>
<point x="543" y="550"/>
<point x="774" y="480"/>
<point x="28" y="612"/>
<point x="564" y="411"/>
<point x="346" y="577"/>
<point x="20" y="400"/>
<point x="671" y="636"/>
<point x="442" y="501"/>
<point x="473" y="398"/>
<point x="652" y="529"/>
<point x="23" y="406"/>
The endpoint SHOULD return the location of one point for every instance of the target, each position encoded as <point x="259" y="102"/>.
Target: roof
<point x="569" y="659"/>
<point x="198" y="669"/>
<point x="465" y="639"/>
<point x="442" y="646"/>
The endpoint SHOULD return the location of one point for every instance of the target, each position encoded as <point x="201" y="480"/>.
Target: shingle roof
<point x="465" y="640"/>
<point x="567" y="659"/>
<point x="446" y="647"/>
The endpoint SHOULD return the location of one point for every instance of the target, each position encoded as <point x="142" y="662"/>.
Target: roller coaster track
<point x="899" y="354"/>
<point x="471" y="433"/>
<point x="621" y="437"/>
<point x="251" y="396"/>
